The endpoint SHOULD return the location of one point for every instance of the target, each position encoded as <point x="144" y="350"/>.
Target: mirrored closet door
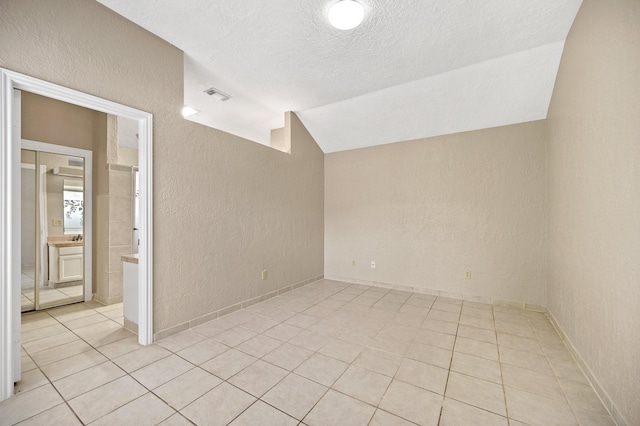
<point x="52" y="230"/>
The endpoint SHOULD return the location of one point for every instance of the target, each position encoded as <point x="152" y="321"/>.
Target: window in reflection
<point x="73" y="215"/>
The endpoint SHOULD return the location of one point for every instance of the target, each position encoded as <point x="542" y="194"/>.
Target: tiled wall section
<point x="117" y="231"/>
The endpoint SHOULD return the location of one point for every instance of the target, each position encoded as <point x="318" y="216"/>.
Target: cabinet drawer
<point x="62" y="251"/>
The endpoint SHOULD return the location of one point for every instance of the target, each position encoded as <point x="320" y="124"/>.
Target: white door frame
<point x="10" y="211"/>
<point x="88" y="202"/>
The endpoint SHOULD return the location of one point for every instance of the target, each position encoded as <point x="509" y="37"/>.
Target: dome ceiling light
<point x="346" y="14"/>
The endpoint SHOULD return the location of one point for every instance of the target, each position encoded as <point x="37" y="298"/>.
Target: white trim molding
<point x="9" y="210"/>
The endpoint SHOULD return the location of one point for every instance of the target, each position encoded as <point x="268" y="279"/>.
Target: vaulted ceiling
<point x="413" y="69"/>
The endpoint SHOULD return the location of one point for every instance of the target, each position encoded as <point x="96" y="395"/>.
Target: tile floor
<point x="328" y="353"/>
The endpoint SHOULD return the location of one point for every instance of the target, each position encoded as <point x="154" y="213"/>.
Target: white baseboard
<point x="229" y="309"/>
<point x="441" y="293"/>
<point x="602" y="394"/>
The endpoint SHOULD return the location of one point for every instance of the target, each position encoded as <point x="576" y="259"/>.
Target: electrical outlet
<point x="264" y="274"/>
<point x="467" y="275"/>
<point x="373" y="264"/>
<point x="57" y="222"/>
<point x="353" y="263"/>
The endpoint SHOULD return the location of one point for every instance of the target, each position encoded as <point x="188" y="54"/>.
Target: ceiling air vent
<point x="221" y="96"/>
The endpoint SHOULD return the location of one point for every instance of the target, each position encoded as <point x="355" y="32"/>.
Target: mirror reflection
<point x="52" y="229"/>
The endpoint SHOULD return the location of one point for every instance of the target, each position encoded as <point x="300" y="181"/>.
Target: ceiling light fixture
<point x="187" y="111"/>
<point x="346" y="14"/>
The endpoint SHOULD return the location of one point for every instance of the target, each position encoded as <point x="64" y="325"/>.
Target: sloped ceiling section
<point x="413" y="69"/>
<point x="512" y="89"/>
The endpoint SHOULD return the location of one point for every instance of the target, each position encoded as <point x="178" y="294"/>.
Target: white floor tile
<point x="326" y="353"/>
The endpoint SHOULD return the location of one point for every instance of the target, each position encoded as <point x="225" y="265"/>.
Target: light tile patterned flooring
<point x="328" y="353"/>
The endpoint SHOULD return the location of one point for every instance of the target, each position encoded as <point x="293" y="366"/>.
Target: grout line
<point x="79" y="371"/>
<point x="504" y="391"/>
<point x="340" y="313"/>
<point x="260" y="358"/>
<point x="595" y="385"/>
<point x="446" y="384"/>
<point x="50" y="382"/>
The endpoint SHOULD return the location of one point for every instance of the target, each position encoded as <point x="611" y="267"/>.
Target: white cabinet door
<point x="70" y="267"/>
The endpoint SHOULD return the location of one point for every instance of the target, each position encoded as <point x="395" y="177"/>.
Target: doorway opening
<point x="10" y="222"/>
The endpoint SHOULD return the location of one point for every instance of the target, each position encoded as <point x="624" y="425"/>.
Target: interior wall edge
<point x="593" y="200"/>
<point x="593" y="381"/>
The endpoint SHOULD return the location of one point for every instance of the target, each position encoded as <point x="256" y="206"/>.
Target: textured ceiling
<point x="413" y="69"/>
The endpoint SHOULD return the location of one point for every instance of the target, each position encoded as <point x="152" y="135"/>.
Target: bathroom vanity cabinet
<point x="66" y="263"/>
<point x="130" y="292"/>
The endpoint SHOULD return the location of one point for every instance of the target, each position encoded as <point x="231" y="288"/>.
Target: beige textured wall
<point x="594" y="197"/>
<point x="236" y="208"/>
<point x="224" y="208"/>
<point x="278" y="140"/>
<point x="428" y="210"/>
<point x="51" y="121"/>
